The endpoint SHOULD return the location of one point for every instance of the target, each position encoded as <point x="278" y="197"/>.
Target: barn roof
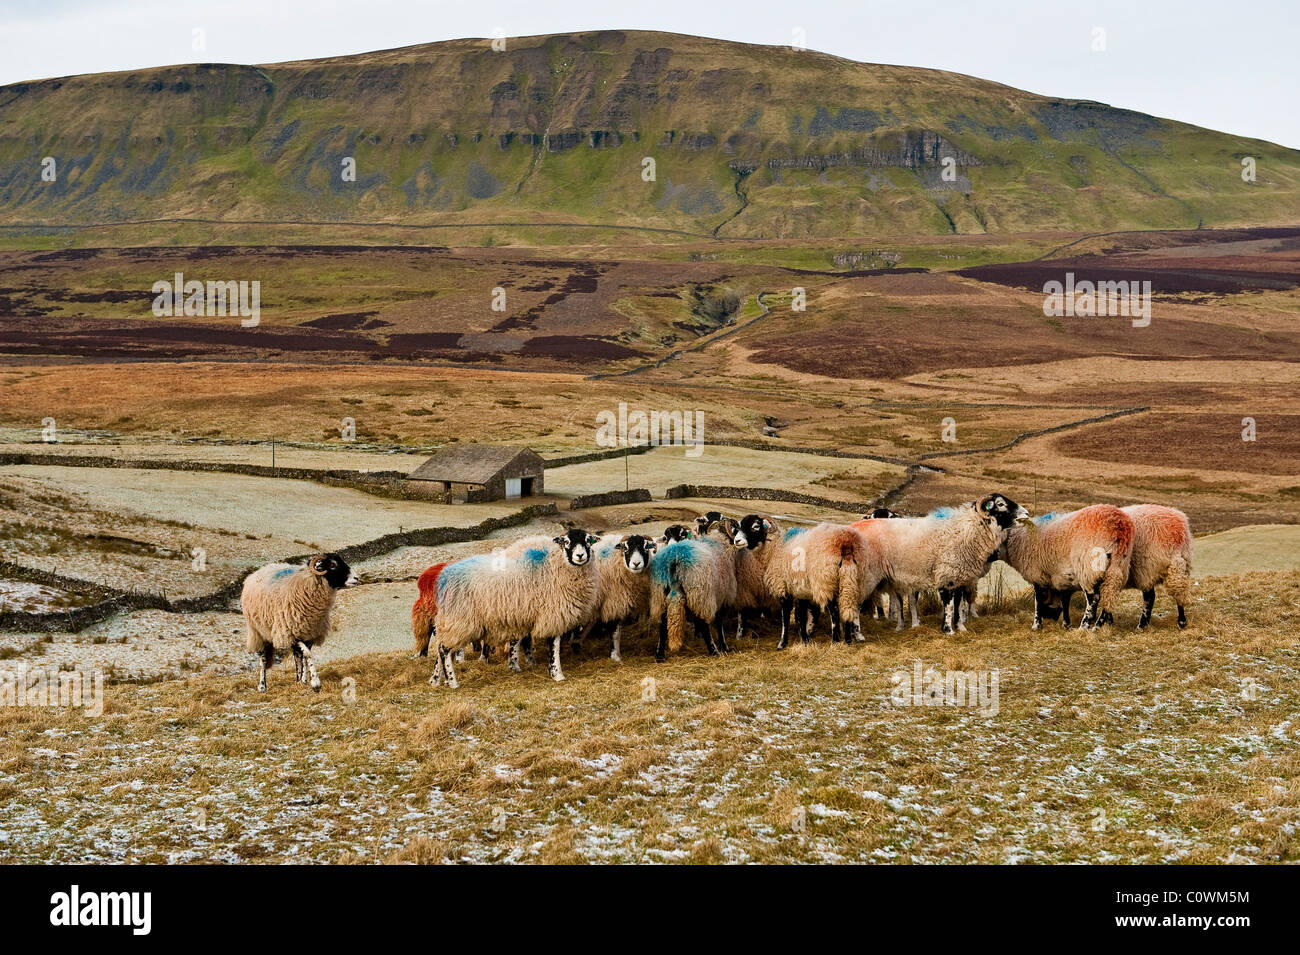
<point x="472" y="463"/>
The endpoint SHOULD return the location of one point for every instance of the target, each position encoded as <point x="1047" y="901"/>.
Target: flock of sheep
<point x="727" y="573"/>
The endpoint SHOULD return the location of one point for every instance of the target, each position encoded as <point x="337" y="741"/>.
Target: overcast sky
<point x="1230" y="66"/>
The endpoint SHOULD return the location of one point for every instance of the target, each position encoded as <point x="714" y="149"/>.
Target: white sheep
<point x="623" y="586"/>
<point x="947" y="551"/>
<point x="884" y="604"/>
<point x="287" y="607"/>
<point x="1088" y="549"/>
<point x="830" y="565"/>
<point x="539" y="588"/>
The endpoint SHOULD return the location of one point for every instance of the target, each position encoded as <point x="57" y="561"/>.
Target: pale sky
<point x="1226" y="66"/>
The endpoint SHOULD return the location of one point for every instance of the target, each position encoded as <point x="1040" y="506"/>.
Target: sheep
<point x="424" y="616"/>
<point x="1088" y="549"/>
<point x="946" y="551"/>
<point x="1162" y="553"/>
<point x="424" y="612"/>
<point x="913" y="601"/>
<point x="287" y="607"/>
<point x="756" y="538"/>
<point x="537" y="588"/>
<point x="622" y="584"/>
<point x="690" y="578"/>
<point x="827" y="565"/>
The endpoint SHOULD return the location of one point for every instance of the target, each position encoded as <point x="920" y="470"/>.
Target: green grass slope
<point x="748" y="141"/>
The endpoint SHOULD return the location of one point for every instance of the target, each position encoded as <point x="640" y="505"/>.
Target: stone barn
<point x="484" y="472"/>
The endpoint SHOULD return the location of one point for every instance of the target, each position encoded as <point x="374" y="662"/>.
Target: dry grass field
<point x="1165" y="746"/>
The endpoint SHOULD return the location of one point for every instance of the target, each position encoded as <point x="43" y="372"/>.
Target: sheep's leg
<point x="436" y="677"/>
<point x="915" y="601"/>
<point x="614" y="641"/>
<point x="527" y="644"/>
<point x="513" y="656"/>
<point x="1091" y="598"/>
<point x="896" y="606"/>
<point x="702" y="631"/>
<point x="813" y="618"/>
<point x="787" y="607"/>
<point x="311" y="667"/>
<point x="836" y="632"/>
<point x="265" y="660"/>
<point x="1038" y="609"/>
<point x="554" y="668"/>
<point x="1065" y="596"/>
<point x="949" y="598"/>
<point x="297" y="664"/>
<point x="722" y="636"/>
<point x="446" y="658"/>
<point x="662" y="650"/>
<point x="802" y="613"/>
<point x="1148" y="604"/>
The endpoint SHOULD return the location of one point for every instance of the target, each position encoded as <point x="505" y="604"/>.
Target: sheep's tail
<point x="676" y="611"/>
<point x="850" y="597"/>
<point x="1115" y="577"/>
<point x="424" y="611"/>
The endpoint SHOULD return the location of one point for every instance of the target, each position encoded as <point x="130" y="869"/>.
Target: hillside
<point x="748" y="141"/>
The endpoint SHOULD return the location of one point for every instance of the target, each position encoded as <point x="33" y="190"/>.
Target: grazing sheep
<point x="947" y="551"/>
<point x="691" y="578"/>
<point x="538" y="588"/>
<point x="287" y="607"/>
<point x="1162" y="553"/>
<point x="830" y="565"/>
<point x="1088" y="549"/>
<point x="622" y="584"/>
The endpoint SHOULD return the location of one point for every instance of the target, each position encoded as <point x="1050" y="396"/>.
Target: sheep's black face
<point x="577" y="546"/>
<point x="750" y="531"/>
<point x="676" y="532"/>
<point x="636" y="551"/>
<point x="881" y="513"/>
<point x="1001" y="510"/>
<point x="333" y="568"/>
<point x="705" y="523"/>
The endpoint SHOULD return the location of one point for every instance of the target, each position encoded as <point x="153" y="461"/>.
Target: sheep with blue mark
<point x="539" y="588"/>
<point x="946" y="551"/>
<point x="1089" y="549"/>
<point x="286" y="607"/>
<point x="691" y="578"/>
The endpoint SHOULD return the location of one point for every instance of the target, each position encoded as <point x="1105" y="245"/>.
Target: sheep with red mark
<point x="539" y="588"/>
<point x="829" y="565"/>
<point x="1089" y="549"/>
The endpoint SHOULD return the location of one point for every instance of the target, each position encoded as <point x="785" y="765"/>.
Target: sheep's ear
<point x="560" y="540"/>
<point x="767" y="524"/>
<point x="987" y="505"/>
<point x="651" y="545"/>
<point x="621" y="545"/>
<point x="591" y="539"/>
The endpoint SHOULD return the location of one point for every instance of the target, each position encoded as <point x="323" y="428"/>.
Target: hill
<point x="748" y="141"/>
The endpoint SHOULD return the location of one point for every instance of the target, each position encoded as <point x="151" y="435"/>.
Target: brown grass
<point x="762" y="756"/>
